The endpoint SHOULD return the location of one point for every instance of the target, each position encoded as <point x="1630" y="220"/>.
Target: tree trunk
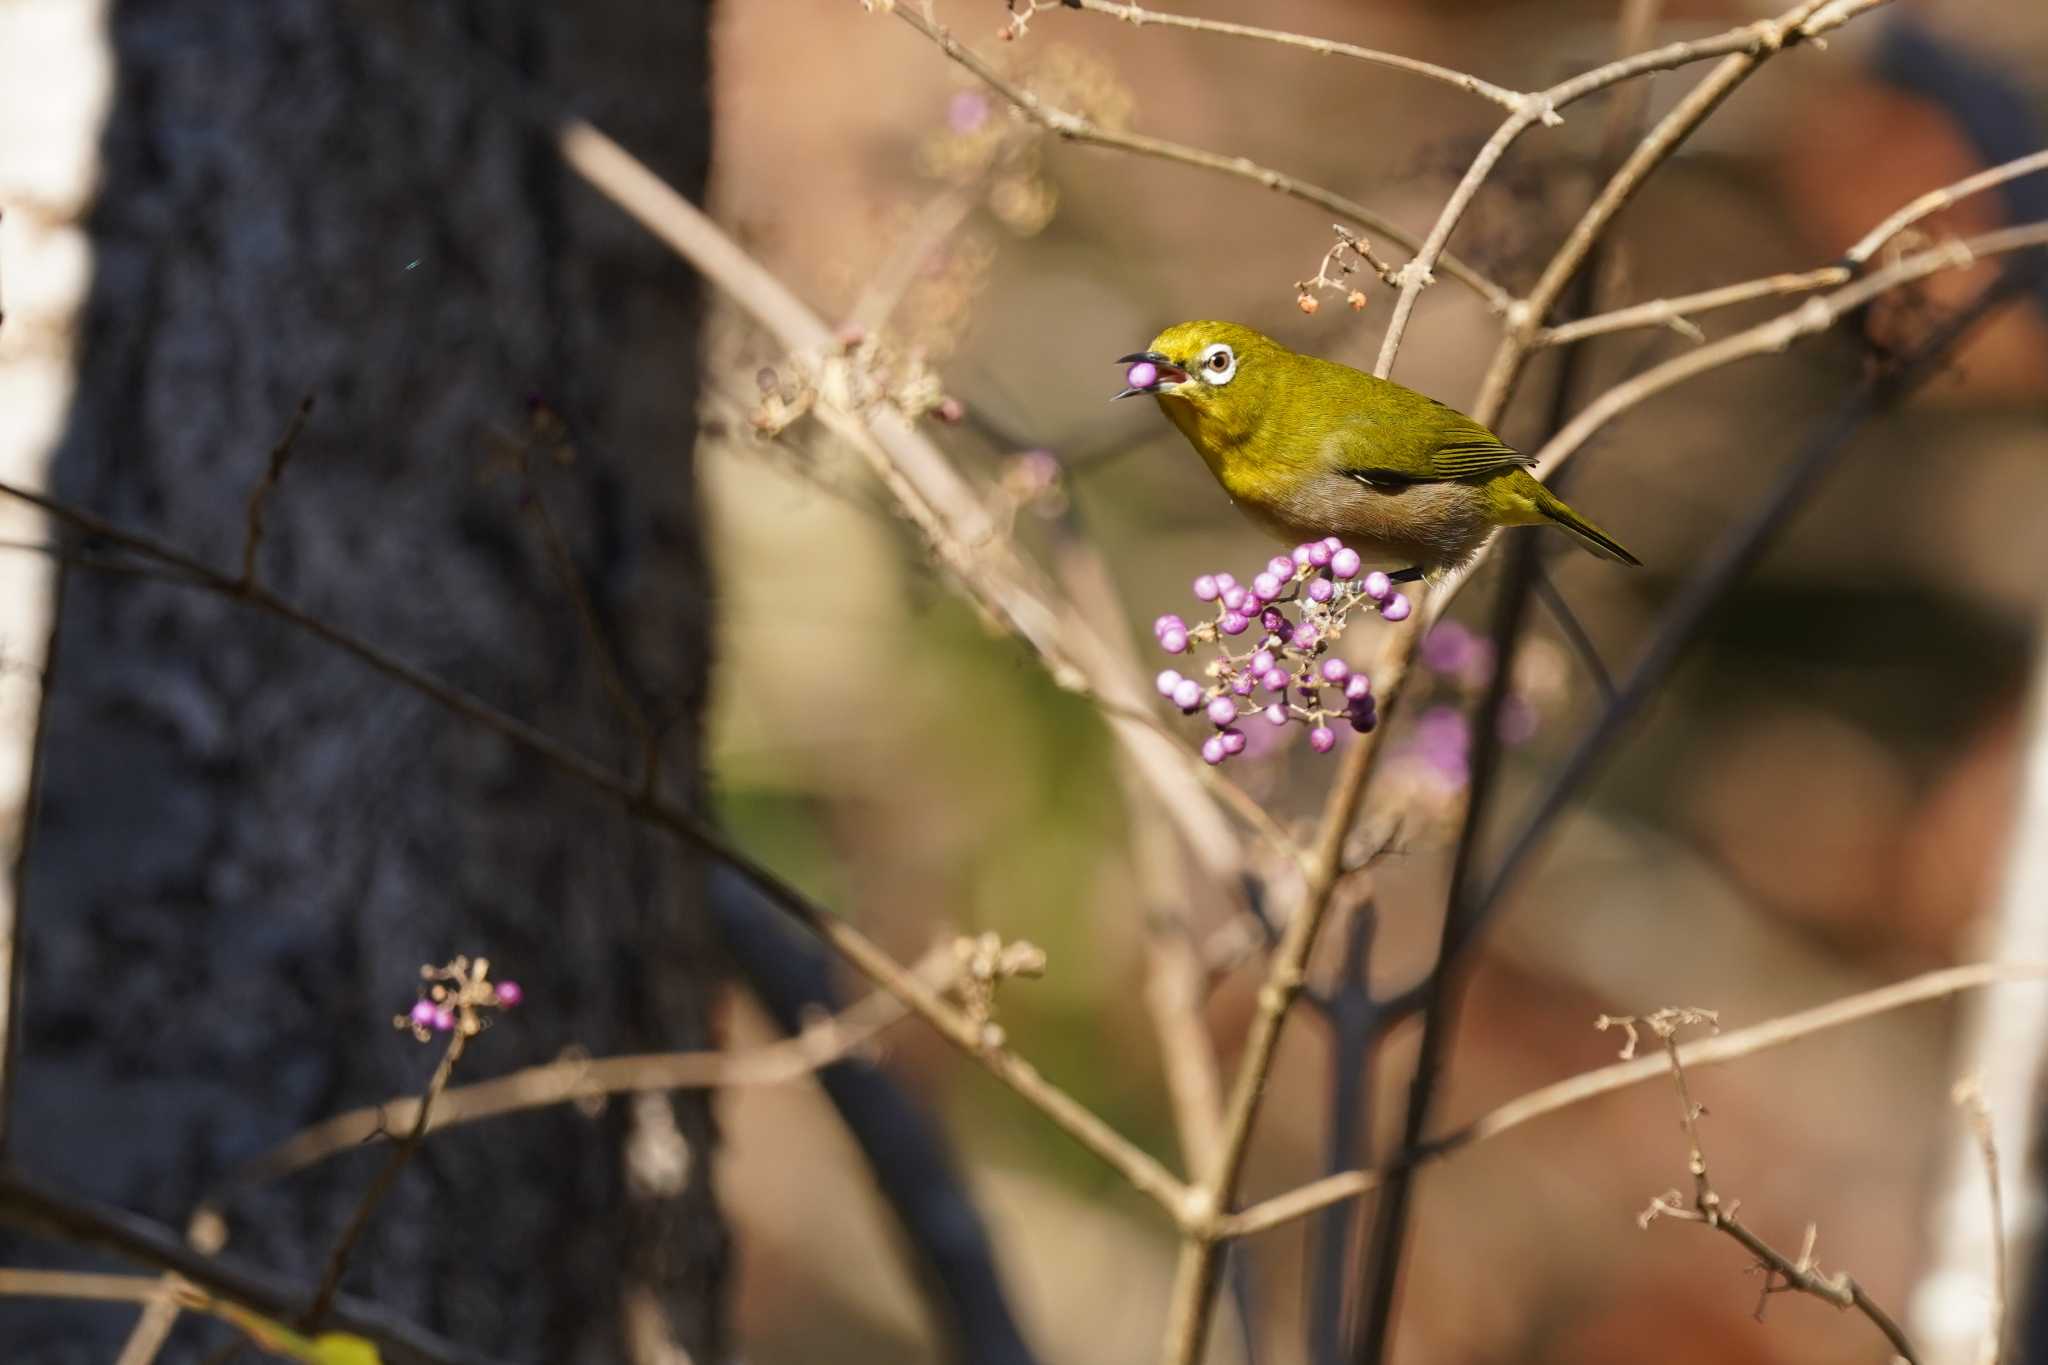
<point x="248" y="844"/>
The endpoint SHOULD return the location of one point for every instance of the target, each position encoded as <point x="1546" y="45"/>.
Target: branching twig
<point x="1074" y="128"/>
<point x="658" y="811"/>
<point x="1749" y="44"/>
<point x="1590" y="1085"/>
<point x="1766" y="39"/>
<point x="1707" y="1207"/>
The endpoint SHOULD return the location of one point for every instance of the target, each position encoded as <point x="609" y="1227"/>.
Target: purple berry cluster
<point x="1286" y="619"/>
<point x="457" y="995"/>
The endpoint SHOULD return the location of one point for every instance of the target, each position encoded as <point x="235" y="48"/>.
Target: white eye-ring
<point x="1219" y="363"/>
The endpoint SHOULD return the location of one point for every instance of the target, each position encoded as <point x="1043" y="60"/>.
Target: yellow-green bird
<point x="1311" y="448"/>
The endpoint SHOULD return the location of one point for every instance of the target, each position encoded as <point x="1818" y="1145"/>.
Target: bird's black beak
<point x="1168" y="373"/>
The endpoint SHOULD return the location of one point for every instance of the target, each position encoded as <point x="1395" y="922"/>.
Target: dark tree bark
<point x="247" y="844"/>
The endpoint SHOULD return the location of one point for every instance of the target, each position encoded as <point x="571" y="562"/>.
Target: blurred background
<point x="1821" y="801"/>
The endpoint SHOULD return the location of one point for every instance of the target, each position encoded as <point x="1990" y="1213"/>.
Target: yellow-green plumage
<point x="1310" y="448"/>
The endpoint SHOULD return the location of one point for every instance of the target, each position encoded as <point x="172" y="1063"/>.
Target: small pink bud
<point x="509" y="994"/>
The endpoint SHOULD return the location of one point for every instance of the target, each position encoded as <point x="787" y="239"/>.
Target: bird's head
<point x="1220" y="368"/>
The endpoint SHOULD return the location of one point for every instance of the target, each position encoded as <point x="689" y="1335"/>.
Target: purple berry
<point x="510" y="994"/>
<point x="1233" y="623"/>
<point x="1276" y="680"/>
<point x="1378" y="585"/>
<point x="1206" y="589"/>
<point x="1233" y="741"/>
<point x="1322" y="739"/>
<point x="1166" y="682"/>
<point x="1332" y="544"/>
<point x="1305" y="636"/>
<point x="1358" y="688"/>
<point x="1274" y="620"/>
<point x="1166" y="623"/>
<point x="1142" y="375"/>
<point x="1300" y="556"/>
<point x="1233" y="598"/>
<point x="1321" y="590"/>
<point x="1281" y="567"/>
<point x="1260" y="661"/>
<point x="1174" y="641"/>
<point x="444" y="1018"/>
<point x="422" y="1014"/>
<point x="1222" y="711"/>
<point x="1364" y="722"/>
<point x="1276" y="714"/>
<point x="1396" y="609"/>
<point x="1345" y="563"/>
<point x="1319" y="554"/>
<point x="1335" y="670"/>
<point x="1225" y="582"/>
<point x="1188" y="695"/>
<point x="1266" y="585"/>
<point x="1241" y="686"/>
<point x="1213" y="751"/>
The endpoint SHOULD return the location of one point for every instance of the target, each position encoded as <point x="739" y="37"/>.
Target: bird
<point x="1310" y="448"/>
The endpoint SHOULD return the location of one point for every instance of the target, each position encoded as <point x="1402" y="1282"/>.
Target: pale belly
<point x="1432" y="526"/>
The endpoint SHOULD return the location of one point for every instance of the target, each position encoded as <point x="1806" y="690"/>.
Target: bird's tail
<point x="1590" y="536"/>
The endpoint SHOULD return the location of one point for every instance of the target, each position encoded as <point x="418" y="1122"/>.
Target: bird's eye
<point x="1219" y="363"/>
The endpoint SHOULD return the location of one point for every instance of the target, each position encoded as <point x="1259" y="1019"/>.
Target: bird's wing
<point x="1457" y="448"/>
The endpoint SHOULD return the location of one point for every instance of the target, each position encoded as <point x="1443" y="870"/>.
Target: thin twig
<point x="1590" y="1085"/>
<point x="575" y="1080"/>
<point x="1210" y="1198"/>
<point x="1139" y="18"/>
<point x="36" y="1208"/>
<point x="1811" y="17"/>
<point x="1810" y="318"/>
<point x="380" y="1186"/>
<point x="13" y="968"/>
<point x="1766" y="39"/>
<point x="1969" y="1097"/>
<point x="1934" y="201"/>
<point x="958" y="526"/>
<point x="1675" y="313"/>
<point x="273" y="473"/>
<point x="1073" y="128"/>
<point x="1707" y="1207"/>
<point x="657" y="810"/>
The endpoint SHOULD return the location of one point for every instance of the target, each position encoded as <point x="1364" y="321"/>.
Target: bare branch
<point x="1934" y="201"/>
<point x="1139" y="18"/>
<point x="35" y="1208"/>
<point x="1750" y="44"/>
<point x="1814" y="316"/>
<point x="1074" y="128"/>
<point x="1676" y="312"/>
<point x="1591" y="1085"/>
<point x="1708" y="1208"/>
